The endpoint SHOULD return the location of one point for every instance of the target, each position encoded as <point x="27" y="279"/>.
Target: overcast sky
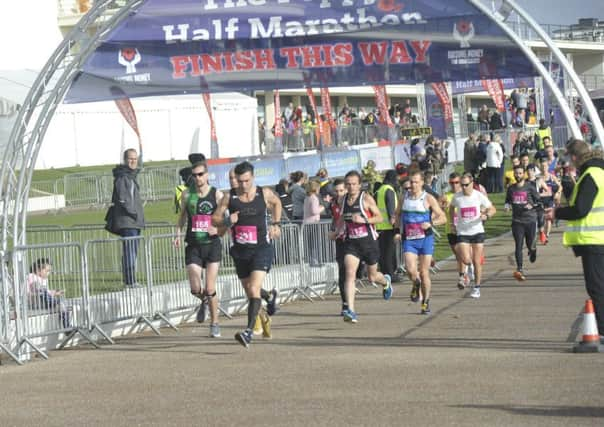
<point x="563" y="12"/>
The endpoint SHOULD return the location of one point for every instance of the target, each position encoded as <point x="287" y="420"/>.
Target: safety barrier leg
<point x="100" y="330"/>
<point x="148" y="322"/>
<point x="34" y="347"/>
<point x="161" y="316"/>
<point x="10" y="354"/>
<point x="72" y="333"/>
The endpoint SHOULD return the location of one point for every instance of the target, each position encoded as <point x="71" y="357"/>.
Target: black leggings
<point x="523" y="232"/>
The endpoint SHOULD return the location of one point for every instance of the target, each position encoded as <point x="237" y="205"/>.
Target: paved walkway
<point x="503" y="360"/>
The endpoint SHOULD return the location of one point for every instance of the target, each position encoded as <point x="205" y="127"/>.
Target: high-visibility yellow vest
<point x="542" y="134"/>
<point x="381" y="203"/>
<point x="588" y="230"/>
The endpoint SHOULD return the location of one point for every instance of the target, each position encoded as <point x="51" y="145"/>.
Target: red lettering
<point x="399" y="53"/>
<point x="290" y="53"/>
<point x="311" y="57"/>
<point x="343" y="54"/>
<point x="195" y="65"/>
<point x="212" y="63"/>
<point x="179" y="66"/>
<point x="264" y="59"/>
<point x="420" y="47"/>
<point x="243" y="60"/>
<point x="374" y="52"/>
<point x="327" y="48"/>
<point x="228" y="62"/>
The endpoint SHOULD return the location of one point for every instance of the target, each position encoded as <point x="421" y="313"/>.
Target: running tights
<point x="523" y="233"/>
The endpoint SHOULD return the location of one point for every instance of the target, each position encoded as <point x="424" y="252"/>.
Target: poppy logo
<point x="463" y="32"/>
<point x="129" y="57"/>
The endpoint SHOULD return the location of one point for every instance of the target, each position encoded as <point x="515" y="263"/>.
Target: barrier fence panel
<point x="50" y="300"/>
<point x="116" y="275"/>
<point x="82" y="189"/>
<point x="285" y="274"/>
<point x="158" y="183"/>
<point x="318" y="256"/>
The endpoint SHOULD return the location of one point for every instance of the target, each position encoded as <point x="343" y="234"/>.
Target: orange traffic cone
<point x="591" y="338"/>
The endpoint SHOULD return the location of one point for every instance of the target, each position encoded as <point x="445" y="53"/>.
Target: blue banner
<point x="219" y="175"/>
<point x="339" y="163"/>
<point x="435" y="113"/>
<point x="187" y="46"/>
<point x="308" y="164"/>
<point x="473" y="86"/>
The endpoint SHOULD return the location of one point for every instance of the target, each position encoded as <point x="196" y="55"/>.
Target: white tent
<point x="170" y="127"/>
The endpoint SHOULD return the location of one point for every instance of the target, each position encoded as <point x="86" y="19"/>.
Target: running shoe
<point x="257" y="326"/>
<point x="518" y="275"/>
<point x="542" y="238"/>
<point x="387" y="291"/>
<point x="214" y="330"/>
<point x="266" y="326"/>
<point x="475" y="292"/>
<point x="426" y="307"/>
<point x="202" y="312"/>
<point x="344" y="310"/>
<point x="414" y="295"/>
<point x="461" y="283"/>
<point x="272" y="305"/>
<point x="244" y="338"/>
<point x="350" y="316"/>
<point x="533" y="255"/>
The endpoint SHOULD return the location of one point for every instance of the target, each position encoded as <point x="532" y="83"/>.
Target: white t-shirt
<point x="468" y="212"/>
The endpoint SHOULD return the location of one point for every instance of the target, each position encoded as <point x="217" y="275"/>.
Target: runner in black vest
<point x="204" y="247"/>
<point x="360" y="213"/>
<point x="252" y="251"/>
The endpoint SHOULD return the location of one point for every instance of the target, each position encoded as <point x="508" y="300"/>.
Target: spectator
<point x="483" y="118"/>
<point x="312" y="205"/>
<point x="129" y="216"/>
<point x="386" y="199"/>
<point x="42" y="298"/>
<point x="522" y="145"/>
<point x="297" y="194"/>
<point x="286" y="200"/>
<point x="494" y="161"/>
<point x="543" y="132"/>
<point x="470" y="160"/>
<point x="371" y="176"/>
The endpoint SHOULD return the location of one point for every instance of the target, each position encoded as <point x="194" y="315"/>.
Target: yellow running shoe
<point x="258" y="326"/>
<point x="266" y="326"/>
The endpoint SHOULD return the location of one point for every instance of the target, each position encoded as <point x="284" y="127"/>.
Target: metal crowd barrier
<point x="48" y="299"/>
<point x="91" y="275"/>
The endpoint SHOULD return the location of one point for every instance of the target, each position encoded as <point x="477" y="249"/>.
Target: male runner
<point x="471" y="208"/>
<point x="338" y="233"/>
<point x="204" y="247"/>
<point x="262" y="325"/>
<point x="414" y="223"/>
<point x="523" y="199"/>
<point x="252" y="251"/>
<point x="360" y="213"/>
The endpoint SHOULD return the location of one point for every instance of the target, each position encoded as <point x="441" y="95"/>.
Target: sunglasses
<point x="466" y="185"/>
<point x="198" y="175"/>
<point x="453" y="182"/>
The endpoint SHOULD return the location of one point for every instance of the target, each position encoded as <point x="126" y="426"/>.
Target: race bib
<point x="201" y="223"/>
<point x="246" y="234"/>
<point x="356" y="231"/>
<point x="414" y="231"/>
<point x="519" y="197"/>
<point x="469" y="213"/>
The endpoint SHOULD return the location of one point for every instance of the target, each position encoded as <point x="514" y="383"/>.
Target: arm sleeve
<point x="390" y="204"/>
<point x="586" y="194"/>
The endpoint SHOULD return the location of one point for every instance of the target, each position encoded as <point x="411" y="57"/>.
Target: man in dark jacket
<point x="129" y="216"/>
<point x="585" y="216"/>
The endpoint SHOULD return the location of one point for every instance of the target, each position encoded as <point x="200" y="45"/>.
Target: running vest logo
<point x="469" y="212"/>
<point x="519" y="197"/>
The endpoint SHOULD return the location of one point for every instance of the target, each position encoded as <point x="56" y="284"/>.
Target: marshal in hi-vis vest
<point x="381" y="203"/>
<point x="588" y="230"/>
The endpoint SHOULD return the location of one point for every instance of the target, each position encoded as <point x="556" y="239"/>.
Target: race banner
<point x="495" y="90"/>
<point x="440" y="90"/>
<point x="166" y="46"/>
<point x="278" y="122"/>
<point x="125" y="106"/>
<point x="381" y="102"/>
<point x="326" y="103"/>
<point x="435" y="115"/>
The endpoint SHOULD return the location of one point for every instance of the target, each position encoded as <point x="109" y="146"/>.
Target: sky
<point x="37" y="33"/>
